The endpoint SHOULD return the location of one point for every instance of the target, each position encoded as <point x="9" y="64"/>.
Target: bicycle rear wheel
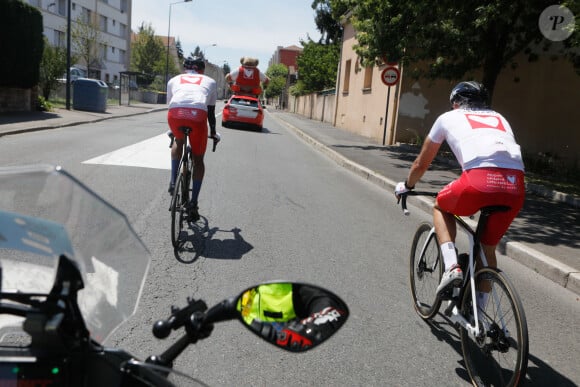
<point x="426" y="269"/>
<point x="178" y="202"/>
<point x="499" y="356"/>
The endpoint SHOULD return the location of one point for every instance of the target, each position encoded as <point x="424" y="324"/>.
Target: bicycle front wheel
<point x="177" y="211"/>
<point x="426" y="269"/>
<point x="498" y="356"/>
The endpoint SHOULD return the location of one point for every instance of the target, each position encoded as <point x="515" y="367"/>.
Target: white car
<point x="75" y="73"/>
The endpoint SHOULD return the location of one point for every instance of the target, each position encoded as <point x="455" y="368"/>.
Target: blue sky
<point x="238" y="28"/>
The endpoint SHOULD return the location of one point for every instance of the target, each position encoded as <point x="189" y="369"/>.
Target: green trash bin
<point x="90" y="95"/>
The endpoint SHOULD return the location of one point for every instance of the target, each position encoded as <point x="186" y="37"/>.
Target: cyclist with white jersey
<point x="492" y="174"/>
<point x="192" y="98"/>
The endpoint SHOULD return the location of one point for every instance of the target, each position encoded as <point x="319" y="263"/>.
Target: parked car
<point x="75" y="73"/>
<point x="116" y="86"/>
<point x="243" y="111"/>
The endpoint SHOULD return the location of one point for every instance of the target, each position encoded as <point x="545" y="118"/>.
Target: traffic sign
<point x="390" y="76"/>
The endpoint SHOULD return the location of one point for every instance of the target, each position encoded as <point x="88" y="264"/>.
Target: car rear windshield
<point x="244" y="102"/>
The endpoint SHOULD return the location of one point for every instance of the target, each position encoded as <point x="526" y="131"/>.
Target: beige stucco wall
<point x="317" y="106"/>
<point x="543" y="107"/>
<point x="363" y="110"/>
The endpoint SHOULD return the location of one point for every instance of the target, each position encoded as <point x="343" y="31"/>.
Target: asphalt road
<point x="277" y="209"/>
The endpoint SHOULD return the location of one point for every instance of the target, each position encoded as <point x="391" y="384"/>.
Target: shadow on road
<point x="203" y="241"/>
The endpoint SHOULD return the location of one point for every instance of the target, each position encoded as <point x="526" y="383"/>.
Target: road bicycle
<point x="494" y="336"/>
<point x="180" y="199"/>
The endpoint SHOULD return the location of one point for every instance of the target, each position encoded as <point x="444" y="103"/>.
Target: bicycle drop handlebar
<point x="217" y="138"/>
<point x="402" y="199"/>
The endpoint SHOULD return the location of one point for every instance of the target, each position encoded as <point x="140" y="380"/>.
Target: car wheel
<point x="224" y="124"/>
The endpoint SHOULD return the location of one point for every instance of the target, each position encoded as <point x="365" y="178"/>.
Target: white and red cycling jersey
<point x="478" y="139"/>
<point x="191" y="90"/>
<point x="493" y="170"/>
<point x="188" y="96"/>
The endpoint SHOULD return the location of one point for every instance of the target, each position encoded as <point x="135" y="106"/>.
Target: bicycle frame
<point x="454" y="314"/>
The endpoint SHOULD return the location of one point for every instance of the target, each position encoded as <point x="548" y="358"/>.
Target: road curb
<point x="562" y="274"/>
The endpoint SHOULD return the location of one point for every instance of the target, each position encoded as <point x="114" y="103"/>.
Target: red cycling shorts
<point x="480" y="187"/>
<point x="196" y="119"/>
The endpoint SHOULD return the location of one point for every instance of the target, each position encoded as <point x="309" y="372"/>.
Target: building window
<point x="123" y="5"/>
<point x="59" y="39"/>
<point x="346" y="82"/>
<point x="103" y="23"/>
<point x="34" y="3"/>
<point x="122" y="54"/>
<point x="61" y="7"/>
<point x="86" y="15"/>
<point x="368" y="78"/>
<point x="122" y="29"/>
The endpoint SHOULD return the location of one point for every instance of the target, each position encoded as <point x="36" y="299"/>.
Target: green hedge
<point x="21" y="44"/>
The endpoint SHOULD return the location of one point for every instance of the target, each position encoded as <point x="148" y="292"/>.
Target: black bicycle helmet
<point x="471" y="93"/>
<point x="194" y="63"/>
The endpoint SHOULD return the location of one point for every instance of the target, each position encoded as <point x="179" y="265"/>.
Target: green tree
<point x="149" y="55"/>
<point x="21" y="44"/>
<point x="317" y="64"/>
<point x="52" y="66"/>
<point x="179" y="50"/>
<point x="278" y="74"/>
<point x="85" y="39"/>
<point x="327" y="23"/>
<point x="454" y="38"/>
<point x="198" y="52"/>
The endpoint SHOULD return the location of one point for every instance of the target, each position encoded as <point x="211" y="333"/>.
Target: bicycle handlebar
<point x="217" y="138"/>
<point x="403" y="198"/>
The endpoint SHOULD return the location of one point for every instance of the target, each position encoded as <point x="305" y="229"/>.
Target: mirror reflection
<point x="292" y="316"/>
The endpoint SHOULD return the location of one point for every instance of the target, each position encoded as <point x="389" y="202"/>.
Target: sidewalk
<point x="543" y="237"/>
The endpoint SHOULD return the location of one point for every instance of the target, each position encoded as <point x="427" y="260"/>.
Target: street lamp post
<point x="168" y="34"/>
<point x="68" y="32"/>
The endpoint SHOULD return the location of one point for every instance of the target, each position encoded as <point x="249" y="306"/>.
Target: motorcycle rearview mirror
<point x="292" y="316"/>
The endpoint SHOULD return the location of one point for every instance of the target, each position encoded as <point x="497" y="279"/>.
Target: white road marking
<point x="151" y="153"/>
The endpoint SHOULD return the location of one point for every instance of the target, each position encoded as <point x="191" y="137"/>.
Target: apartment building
<point x="113" y="19"/>
<point x="287" y="56"/>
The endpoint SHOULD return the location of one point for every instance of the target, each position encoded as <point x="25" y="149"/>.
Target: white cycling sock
<point x="449" y="254"/>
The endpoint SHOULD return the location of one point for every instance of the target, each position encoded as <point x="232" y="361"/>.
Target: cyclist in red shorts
<point x="192" y="98"/>
<point x="493" y="174"/>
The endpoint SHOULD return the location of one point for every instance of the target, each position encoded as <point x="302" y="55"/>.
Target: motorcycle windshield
<point x="45" y="213"/>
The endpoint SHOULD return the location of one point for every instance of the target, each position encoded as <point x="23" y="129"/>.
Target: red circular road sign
<point x="390" y="76"/>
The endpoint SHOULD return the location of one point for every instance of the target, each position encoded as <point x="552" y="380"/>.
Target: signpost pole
<point x="386" y="115"/>
<point x="390" y="77"/>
